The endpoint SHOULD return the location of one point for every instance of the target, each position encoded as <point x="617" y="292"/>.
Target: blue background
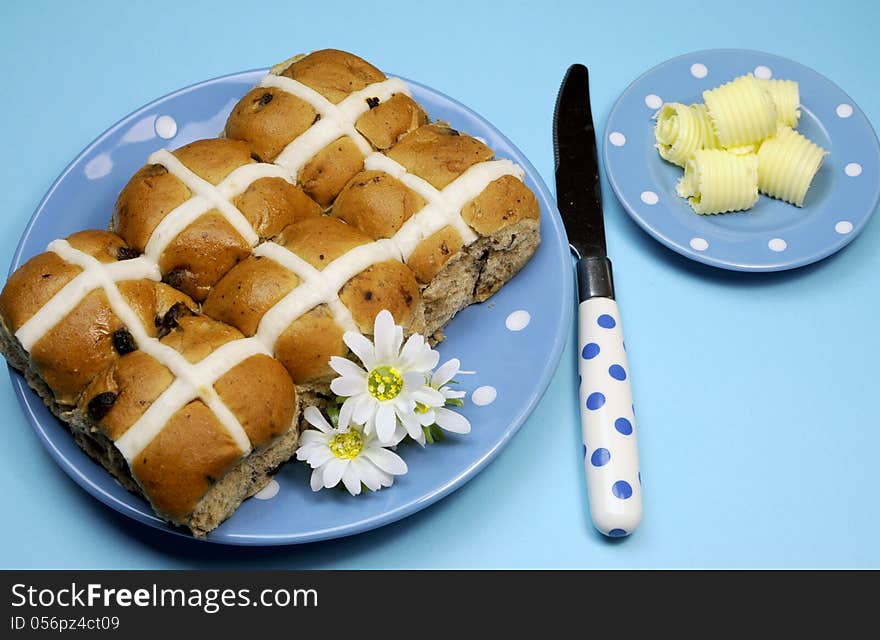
<point x="755" y="393"/>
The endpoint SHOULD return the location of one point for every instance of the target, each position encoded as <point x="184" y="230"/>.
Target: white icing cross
<point x="444" y="207"/>
<point x="317" y="287"/>
<point x="322" y="287"/>
<point x="336" y="120"/>
<point x="192" y="381"/>
<point x="94" y="275"/>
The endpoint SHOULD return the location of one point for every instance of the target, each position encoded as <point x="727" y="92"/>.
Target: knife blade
<point x="606" y="407"/>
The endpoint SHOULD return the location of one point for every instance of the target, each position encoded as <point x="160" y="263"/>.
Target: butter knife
<point x="608" y="422"/>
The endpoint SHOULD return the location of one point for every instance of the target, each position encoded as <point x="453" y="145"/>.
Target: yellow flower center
<point x="384" y="383"/>
<point x="421" y="408"/>
<point x="347" y="445"/>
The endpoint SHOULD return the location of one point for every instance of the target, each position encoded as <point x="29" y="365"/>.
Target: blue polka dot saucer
<point x="774" y="235"/>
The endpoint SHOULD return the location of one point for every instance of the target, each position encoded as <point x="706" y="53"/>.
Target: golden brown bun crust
<point x="153" y="192"/>
<point x="152" y="300"/>
<point x="91" y="337"/>
<point x="270" y="204"/>
<point x="80" y="347"/>
<point x="319" y="241"/>
<point x="196" y="337"/>
<point x="260" y="393"/>
<point x="201" y="254"/>
<point x="504" y="202"/>
<point x="324" y="176"/>
<point x="439" y="154"/>
<point x="32" y="285"/>
<point x="384" y="124"/>
<point x="433" y="252"/>
<point x="268" y="119"/>
<point x="148" y="197"/>
<point x="77" y="349"/>
<point x="333" y="73"/>
<point x="104" y="246"/>
<point x="181" y="463"/>
<point x="376" y="203"/>
<point x="136" y="380"/>
<point x="387" y="285"/>
<point x="258" y="390"/>
<point x="307" y="344"/>
<point x="248" y="291"/>
<point x="214" y="159"/>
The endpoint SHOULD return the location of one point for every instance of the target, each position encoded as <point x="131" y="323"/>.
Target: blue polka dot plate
<point x="513" y="341"/>
<point x="773" y="235"/>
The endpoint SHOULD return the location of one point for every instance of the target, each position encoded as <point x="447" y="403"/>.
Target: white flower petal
<point x="452" y="421"/>
<point x="315" y="456"/>
<point x="348" y="386"/>
<point x="345" y="413"/>
<point x="451" y="393"/>
<point x="386" y="460"/>
<point x="314" y="418"/>
<point x="367" y="472"/>
<point x="418" y="355"/>
<point x="445" y="373"/>
<point x="351" y="479"/>
<point x="427" y="359"/>
<point x="321" y="457"/>
<point x="411" y="349"/>
<point x="387" y="338"/>
<point x="333" y="471"/>
<point x="420" y="437"/>
<point x="414" y="380"/>
<point x="317" y="479"/>
<point x="361" y="347"/>
<point x="385" y="479"/>
<point x="386" y="421"/>
<point x="364" y="408"/>
<point x="409" y="420"/>
<point x="429" y="396"/>
<point x="428" y="418"/>
<point x="347" y="368"/>
<point x="399" y="434"/>
<point x="404" y="404"/>
<point x="314" y="437"/>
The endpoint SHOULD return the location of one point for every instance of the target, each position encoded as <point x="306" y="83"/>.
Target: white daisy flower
<point x="384" y="394"/>
<point x="352" y="456"/>
<point x="440" y="415"/>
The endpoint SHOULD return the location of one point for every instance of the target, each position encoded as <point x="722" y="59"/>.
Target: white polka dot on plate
<point x="653" y="101"/>
<point x="762" y="72"/>
<point x="99" y="166"/>
<point x="269" y="491"/>
<point x="166" y="127"/>
<point x="699" y="70"/>
<point x="844" y="110"/>
<point x="699" y="244"/>
<point x="649" y="197"/>
<point x="484" y="395"/>
<point x="617" y="139"/>
<point x="843" y="227"/>
<point x="853" y="169"/>
<point x="777" y="244"/>
<point x="518" y="320"/>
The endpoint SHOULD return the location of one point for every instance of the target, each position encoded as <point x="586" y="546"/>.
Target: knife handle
<point x="607" y="420"/>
